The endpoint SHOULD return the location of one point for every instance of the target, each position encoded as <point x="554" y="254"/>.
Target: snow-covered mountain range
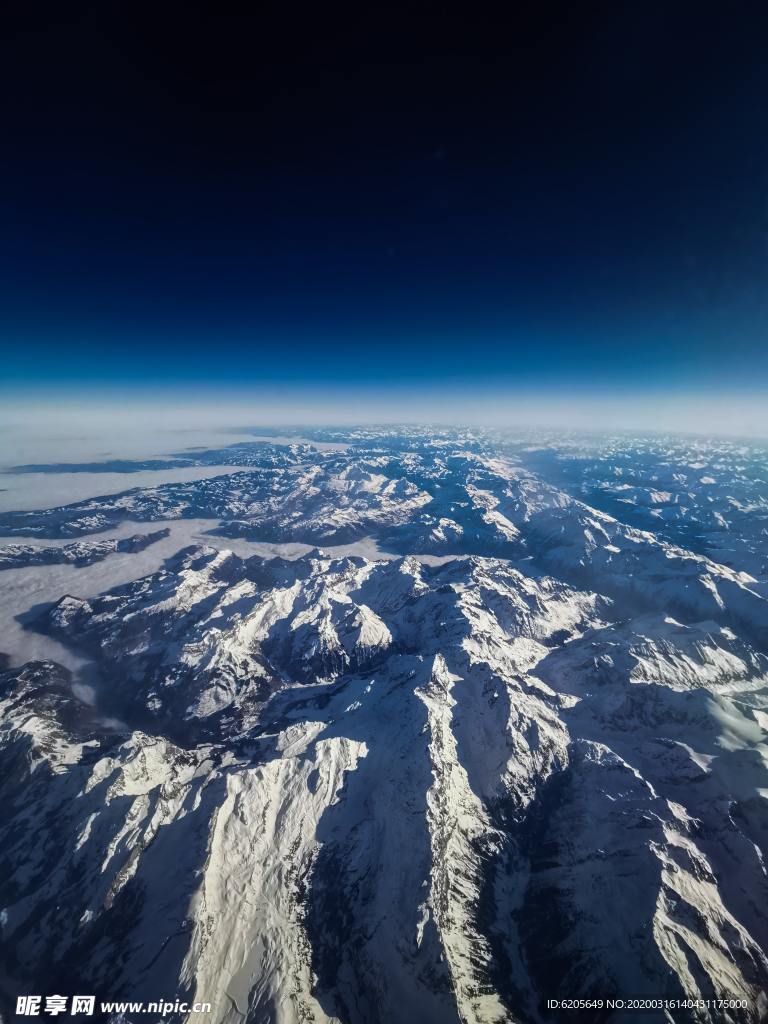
<point x="521" y="756"/>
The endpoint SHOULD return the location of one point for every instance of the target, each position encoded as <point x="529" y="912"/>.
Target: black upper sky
<point x="208" y="192"/>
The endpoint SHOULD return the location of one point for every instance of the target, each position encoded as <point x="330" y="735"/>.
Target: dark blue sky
<point x="576" y="195"/>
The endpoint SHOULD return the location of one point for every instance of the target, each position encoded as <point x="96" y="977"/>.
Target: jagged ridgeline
<point x="515" y="753"/>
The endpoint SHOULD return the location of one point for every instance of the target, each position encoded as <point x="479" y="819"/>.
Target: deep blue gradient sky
<point x="565" y="199"/>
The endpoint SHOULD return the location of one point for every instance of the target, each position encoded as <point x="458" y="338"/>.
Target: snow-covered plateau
<point x="424" y="726"/>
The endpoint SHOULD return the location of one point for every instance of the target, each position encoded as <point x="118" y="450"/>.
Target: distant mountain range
<point x="520" y="759"/>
